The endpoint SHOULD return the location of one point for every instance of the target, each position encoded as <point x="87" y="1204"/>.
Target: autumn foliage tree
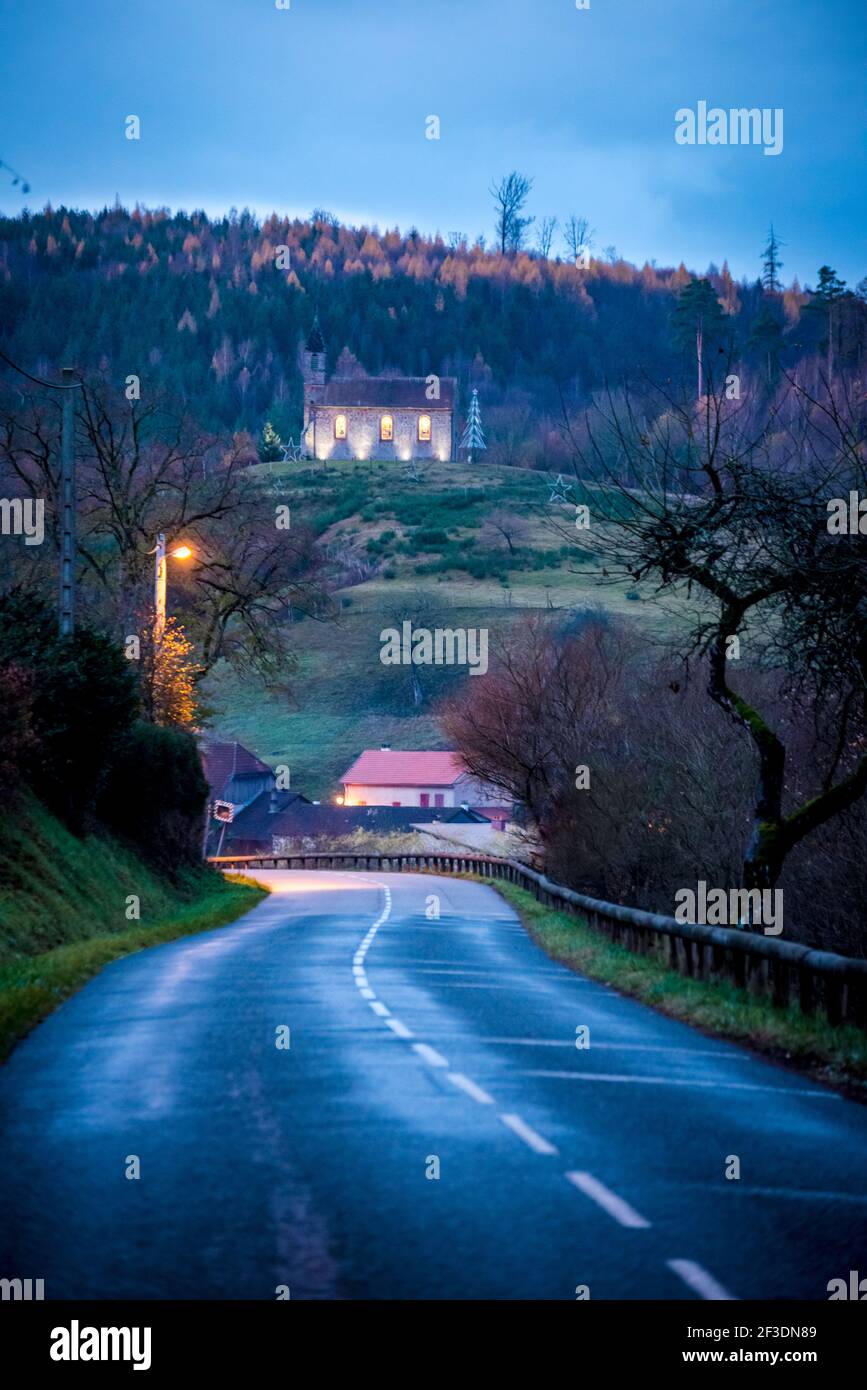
<point x="168" y="676"/>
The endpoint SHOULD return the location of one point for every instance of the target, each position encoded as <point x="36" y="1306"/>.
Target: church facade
<point x="364" y="417"/>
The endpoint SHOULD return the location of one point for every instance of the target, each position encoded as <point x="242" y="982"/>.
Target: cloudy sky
<point x="325" y="103"/>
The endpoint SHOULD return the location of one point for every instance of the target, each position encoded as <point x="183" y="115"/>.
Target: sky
<point x="325" y="104"/>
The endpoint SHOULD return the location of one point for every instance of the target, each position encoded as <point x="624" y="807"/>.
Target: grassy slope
<point x="837" y="1056"/>
<point x="63" y="914"/>
<point x="343" y="698"/>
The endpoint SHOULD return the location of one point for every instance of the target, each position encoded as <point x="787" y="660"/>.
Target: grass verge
<point x="835" y="1056"/>
<point x="32" y="986"/>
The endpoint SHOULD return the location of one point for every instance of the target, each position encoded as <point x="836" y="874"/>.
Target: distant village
<point x="384" y="791"/>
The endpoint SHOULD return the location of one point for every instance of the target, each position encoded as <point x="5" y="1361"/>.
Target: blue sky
<point x="324" y="104"/>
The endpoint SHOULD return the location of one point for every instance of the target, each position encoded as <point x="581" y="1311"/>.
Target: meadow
<point x="465" y="546"/>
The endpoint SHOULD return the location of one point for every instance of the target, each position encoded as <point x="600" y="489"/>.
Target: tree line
<point x="213" y="310"/>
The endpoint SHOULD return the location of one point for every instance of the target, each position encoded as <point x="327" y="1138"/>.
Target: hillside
<point x="436" y="552"/>
<point x="212" y="312"/>
<point x="63" y="912"/>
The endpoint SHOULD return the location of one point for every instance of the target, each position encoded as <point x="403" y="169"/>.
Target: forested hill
<point x="214" y="310"/>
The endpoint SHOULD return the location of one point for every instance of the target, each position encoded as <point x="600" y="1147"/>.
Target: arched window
<point x="424" y="429"/>
<point x="340" y="427"/>
<point x="386" y="428"/>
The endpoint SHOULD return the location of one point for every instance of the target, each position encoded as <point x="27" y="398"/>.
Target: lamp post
<point x="181" y="552"/>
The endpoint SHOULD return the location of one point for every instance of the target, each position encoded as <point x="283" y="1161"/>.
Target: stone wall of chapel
<point x="362" y="434"/>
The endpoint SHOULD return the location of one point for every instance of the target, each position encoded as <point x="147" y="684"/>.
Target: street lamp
<point x="181" y="552"/>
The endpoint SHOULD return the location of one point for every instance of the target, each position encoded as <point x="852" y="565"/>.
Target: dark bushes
<point x="154" y="797"/>
<point x="83" y="700"/>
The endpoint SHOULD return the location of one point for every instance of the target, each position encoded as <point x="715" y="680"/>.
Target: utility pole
<point x="67" y="509"/>
<point x="66" y="492"/>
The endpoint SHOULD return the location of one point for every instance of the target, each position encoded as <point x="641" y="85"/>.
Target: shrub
<point x="154" y="797"/>
<point x="84" y="701"/>
<point x="19" y="744"/>
<point x="430" y="536"/>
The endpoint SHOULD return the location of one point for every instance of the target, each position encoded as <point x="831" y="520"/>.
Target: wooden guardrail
<point x="818" y="981"/>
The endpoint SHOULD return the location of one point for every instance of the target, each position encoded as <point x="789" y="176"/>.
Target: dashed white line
<point x="529" y="1136"/>
<point x="691" y="1273"/>
<point x="464" y="1083"/>
<point x="700" y="1281"/>
<point x="607" y="1200"/>
<point x="430" y="1054"/>
<point x="397" y="1027"/>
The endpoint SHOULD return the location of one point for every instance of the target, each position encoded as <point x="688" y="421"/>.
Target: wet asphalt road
<point x="416" y="1044"/>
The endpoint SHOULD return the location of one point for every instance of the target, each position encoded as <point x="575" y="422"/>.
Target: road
<point x="416" y="1045"/>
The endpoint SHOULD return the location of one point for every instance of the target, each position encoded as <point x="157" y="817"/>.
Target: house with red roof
<point x="423" y="778"/>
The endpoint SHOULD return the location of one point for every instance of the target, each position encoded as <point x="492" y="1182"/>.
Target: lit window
<point x="386" y="428"/>
<point x="340" y="427"/>
<point x="424" y="429"/>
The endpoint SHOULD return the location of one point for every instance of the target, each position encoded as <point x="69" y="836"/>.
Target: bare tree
<point x="578" y="235"/>
<point x="728" y="503"/>
<point x="510" y="196"/>
<point x="146" y="468"/>
<point x="545" y="236"/>
<point x="504" y="525"/>
<point x="631" y="783"/>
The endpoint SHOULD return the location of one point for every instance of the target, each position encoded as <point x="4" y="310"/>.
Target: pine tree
<point x="825" y="306"/>
<point x="473" y="437"/>
<point x="270" y="445"/>
<point x="766" y="339"/>
<point x="697" y="316"/>
<point x="771" y="264"/>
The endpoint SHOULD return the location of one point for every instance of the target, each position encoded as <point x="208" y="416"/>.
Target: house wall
<point x="355" y="794"/>
<point x="362" y="434"/>
<point x="241" y="790"/>
<point x="476" y="793"/>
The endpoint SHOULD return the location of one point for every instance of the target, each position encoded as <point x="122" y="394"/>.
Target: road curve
<point x="418" y="1045"/>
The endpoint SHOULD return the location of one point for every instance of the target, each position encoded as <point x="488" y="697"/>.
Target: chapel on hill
<point x="365" y="417"/>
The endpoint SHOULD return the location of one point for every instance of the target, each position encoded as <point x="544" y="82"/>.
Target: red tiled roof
<point x="393" y="768"/>
<point x="222" y="761"/>
<point x="396" y="391"/>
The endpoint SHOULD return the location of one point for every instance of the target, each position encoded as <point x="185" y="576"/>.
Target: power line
<point x="52" y="385"/>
